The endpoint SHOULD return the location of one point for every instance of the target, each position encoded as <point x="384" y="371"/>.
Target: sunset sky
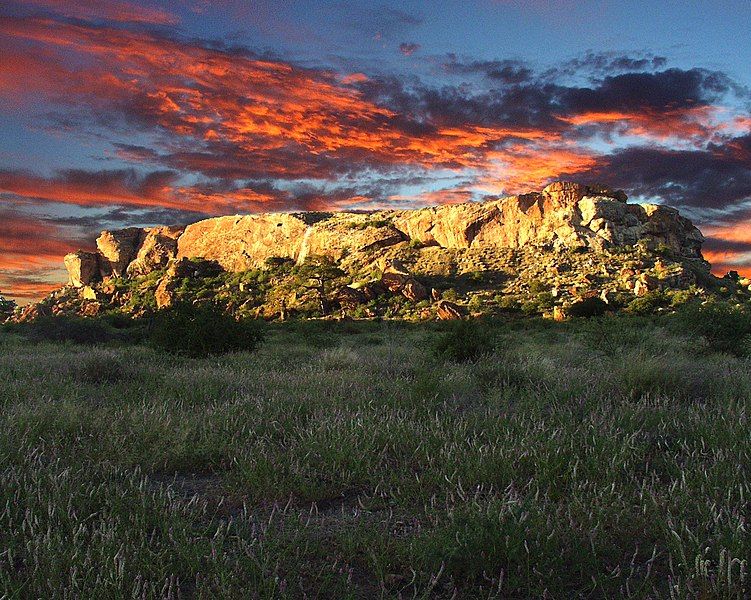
<point x="117" y="113"/>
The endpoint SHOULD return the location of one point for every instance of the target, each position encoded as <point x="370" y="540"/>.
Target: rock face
<point x="82" y="267"/>
<point x="564" y="215"/>
<point x="561" y="236"/>
<point x="158" y="246"/>
<point x="240" y="243"/>
<point x="119" y="248"/>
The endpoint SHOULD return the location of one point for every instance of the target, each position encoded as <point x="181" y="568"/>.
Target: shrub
<point x="588" y="307"/>
<point x="648" y="304"/>
<point x="99" y="369"/>
<point x="475" y="303"/>
<point x="464" y="341"/>
<point x="507" y="302"/>
<point x="680" y="297"/>
<point x="543" y="301"/>
<point x="726" y="327"/>
<point x="78" y="330"/>
<point x="201" y="331"/>
<point x="538" y="287"/>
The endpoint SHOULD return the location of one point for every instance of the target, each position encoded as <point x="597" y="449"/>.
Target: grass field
<point x="601" y="459"/>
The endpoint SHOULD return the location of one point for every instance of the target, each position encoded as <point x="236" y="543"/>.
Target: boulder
<point x="398" y="280"/>
<point x="88" y="293"/>
<point x="157" y="248"/>
<point x="164" y="293"/>
<point x="395" y="276"/>
<point x="119" y="248"/>
<point x="448" y="311"/>
<point x="372" y="290"/>
<point x="33" y="311"/>
<point x="349" y="297"/>
<point x="414" y="290"/>
<point x="82" y="267"/>
<point x="666" y="227"/>
<point x="240" y="243"/>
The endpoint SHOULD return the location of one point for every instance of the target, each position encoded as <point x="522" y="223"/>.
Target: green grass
<point x="600" y="459"/>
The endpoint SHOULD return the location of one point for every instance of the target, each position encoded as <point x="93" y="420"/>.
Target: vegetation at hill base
<point x="606" y="457"/>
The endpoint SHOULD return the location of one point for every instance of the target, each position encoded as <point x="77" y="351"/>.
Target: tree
<point x="7" y="307"/>
<point x="320" y="272"/>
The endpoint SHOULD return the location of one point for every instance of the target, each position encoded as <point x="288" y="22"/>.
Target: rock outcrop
<point x="118" y="248"/>
<point x="569" y="239"/>
<point x="157" y="247"/>
<point x="240" y="243"/>
<point x="564" y="215"/>
<point x="82" y="267"/>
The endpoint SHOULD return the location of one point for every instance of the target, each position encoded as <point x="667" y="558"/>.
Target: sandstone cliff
<point x="562" y="235"/>
<point x="564" y="216"/>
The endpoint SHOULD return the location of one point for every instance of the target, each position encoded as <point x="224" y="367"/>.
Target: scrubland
<point x="601" y="458"/>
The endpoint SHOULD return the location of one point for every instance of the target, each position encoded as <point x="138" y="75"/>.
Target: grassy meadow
<point x="606" y="458"/>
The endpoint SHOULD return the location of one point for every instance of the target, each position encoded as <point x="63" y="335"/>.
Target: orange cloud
<point x="696" y="122"/>
<point x="261" y="110"/>
<point x="233" y="119"/>
<point x="31" y="254"/>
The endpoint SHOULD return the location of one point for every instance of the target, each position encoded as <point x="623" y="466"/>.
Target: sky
<point x="121" y="113"/>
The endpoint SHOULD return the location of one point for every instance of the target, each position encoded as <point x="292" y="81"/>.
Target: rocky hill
<point x="550" y="252"/>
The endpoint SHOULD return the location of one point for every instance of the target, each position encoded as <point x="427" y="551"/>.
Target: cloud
<point x="505" y="71"/>
<point x="408" y="49"/>
<point x="93" y="188"/>
<point x="602" y="64"/>
<point x="210" y="128"/>
<point x="31" y="254"/>
<point x="379" y="21"/>
<point x="706" y="179"/>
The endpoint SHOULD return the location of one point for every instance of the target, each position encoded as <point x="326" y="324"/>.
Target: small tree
<point x="7" y="307"/>
<point x="320" y="272"/>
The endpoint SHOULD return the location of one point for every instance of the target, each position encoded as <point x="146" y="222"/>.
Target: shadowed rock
<point x="82" y="267"/>
<point x="119" y="247"/>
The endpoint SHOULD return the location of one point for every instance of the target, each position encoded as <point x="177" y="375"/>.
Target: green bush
<point x="542" y="302"/>
<point x="537" y="287"/>
<point x="78" y="330"/>
<point x="476" y="303"/>
<point x="726" y="327"/>
<point x="506" y="302"/>
<point x="588" y="307"/>
<point x="201" y="331"/>
<point x="464" y="341"/>
<point x="648" y="304"/>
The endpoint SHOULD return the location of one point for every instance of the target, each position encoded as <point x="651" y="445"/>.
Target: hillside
<point x="567" y="249"/>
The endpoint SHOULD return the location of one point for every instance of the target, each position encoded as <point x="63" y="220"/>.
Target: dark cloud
<point x="504" y="71"/>
<point x="598" y="64"/>
<point x="408" y="49"/>
<point x="380" y="21"/>
<point x="715" y="178"/>
<point x="670" y="89"/>
<point x="91" y="188"/>
<point x="718" y="245"/>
